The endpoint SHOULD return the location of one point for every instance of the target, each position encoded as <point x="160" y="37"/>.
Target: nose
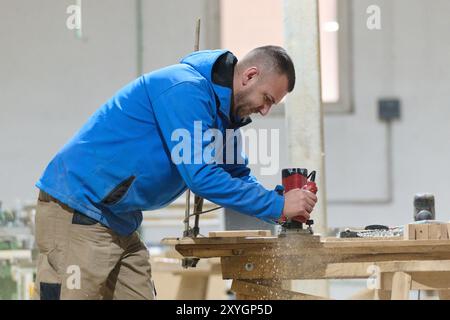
<point x="264" y="110"/>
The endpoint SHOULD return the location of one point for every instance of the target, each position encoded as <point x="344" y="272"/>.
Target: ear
<point x="249" y="74"/>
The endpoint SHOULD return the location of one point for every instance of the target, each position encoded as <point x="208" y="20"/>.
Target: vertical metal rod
<point x="197" y="36"/>
<point x="198" y="201"/>
<point x="198" y="207"/>
<point x="139" y="39"/>
<point x="188" y="191"/>
<point x="187" y="212"/>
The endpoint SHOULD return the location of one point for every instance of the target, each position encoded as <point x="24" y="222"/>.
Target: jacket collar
<point x="217" y="66"/>
<point x="222" y="75"/>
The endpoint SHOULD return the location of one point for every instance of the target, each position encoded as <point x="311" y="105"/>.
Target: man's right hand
<point x="299" y="202"/>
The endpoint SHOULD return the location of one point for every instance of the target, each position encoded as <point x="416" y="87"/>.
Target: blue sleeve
<point x="240" y="168"/>
<point x="179" y="108"/>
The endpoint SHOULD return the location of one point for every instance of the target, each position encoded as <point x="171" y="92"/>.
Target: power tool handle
<point x="310" y="186"/>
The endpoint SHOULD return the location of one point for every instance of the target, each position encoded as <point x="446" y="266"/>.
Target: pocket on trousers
<point x="44" y="226"/>
<point x="83" y="220"/>
<point x="50" y="291"/>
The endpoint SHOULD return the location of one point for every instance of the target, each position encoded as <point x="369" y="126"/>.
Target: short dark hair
<point x="282" y="62"/>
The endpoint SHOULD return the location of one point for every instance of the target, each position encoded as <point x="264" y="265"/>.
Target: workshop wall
<point x="51" y="81"/>
<point x="408" y="60"/>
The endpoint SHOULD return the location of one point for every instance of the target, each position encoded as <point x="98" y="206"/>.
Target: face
<point x="256" y="93"/>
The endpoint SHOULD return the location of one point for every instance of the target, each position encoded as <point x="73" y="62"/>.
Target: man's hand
<point x="298" y="203"/>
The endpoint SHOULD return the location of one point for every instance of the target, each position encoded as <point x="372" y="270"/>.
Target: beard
<point x="242" y="107"/>
<point x="243" y="110"/>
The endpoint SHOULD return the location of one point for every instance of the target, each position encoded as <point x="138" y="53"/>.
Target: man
<point x="121" y="162"/>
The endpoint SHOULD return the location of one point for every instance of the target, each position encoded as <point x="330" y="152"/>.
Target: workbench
<point x="259" y="265"/>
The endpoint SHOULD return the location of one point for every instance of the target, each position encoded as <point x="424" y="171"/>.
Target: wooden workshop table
<point x="259" y="265"/>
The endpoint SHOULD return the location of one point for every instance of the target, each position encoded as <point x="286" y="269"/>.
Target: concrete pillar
<point x="304" y="113"/>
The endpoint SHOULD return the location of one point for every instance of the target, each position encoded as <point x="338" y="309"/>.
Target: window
<point x="252" y="23"/>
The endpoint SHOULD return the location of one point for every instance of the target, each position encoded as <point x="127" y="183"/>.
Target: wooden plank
<point x="433" y="280"/>
<point x="401" y="284"/>
<point x="239" y="233"/>
<point x="364" y="243"/>
<point x="291" y="240"/>
<point x="444" y="294"/>
<point x="193" y="287"/>
<point x="311" y="245"/>
<point x="414" y="266"/>
<point x="432" y="250"/>
<point x="261" y="267"/>
<point x="240" y="296"/>
<point x="444" y="230"/>
<point x="365" y="294"/>
<point x="434" y="231"/>
<point x="422" y="231"/>
<point x="382" y="294"/>
<point x="355" y="270"/>
<point x="266" y="292"/>
<point x="334" y="239"/>
<point x="431" y="231"/>
<point x="409" y="232"/>
<point x="215" y="241"/>
<point x="437" y="232"/>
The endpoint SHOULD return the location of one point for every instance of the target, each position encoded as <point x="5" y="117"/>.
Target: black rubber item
<point x="349" y="234"/>
<point x="376" y="227"/>
<point x="287" y="172"/>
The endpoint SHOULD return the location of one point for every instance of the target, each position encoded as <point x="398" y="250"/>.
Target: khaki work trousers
<point x="81" y="259"/>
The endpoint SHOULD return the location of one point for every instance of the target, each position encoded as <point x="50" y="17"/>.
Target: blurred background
<point x="55" y="71"/>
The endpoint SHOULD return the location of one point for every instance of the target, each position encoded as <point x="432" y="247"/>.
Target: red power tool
<point x="297" y="178"/>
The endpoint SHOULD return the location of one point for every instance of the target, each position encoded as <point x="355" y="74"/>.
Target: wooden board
<point x="421" y="261"/>
<point x="401" y="285"/>
<point x="302" y="245"/>
<point x="259" y="267"/>
<point x="252" y="290"/>
<point x="431" y="231"/>
<point x="239" y="233"/>
<point x="429" y="280"/>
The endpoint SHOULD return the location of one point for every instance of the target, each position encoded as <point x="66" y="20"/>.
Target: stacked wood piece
<point x="430" y="231"/>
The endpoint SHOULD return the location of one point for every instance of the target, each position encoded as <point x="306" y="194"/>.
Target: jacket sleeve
<point x="240" y="168"/>
<point x="182" y="107"/>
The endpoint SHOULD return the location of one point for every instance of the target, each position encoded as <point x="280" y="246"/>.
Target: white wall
<point x="406" y="59"/>
<point x="50" y="82"/>
<point x="169" y="29"/>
